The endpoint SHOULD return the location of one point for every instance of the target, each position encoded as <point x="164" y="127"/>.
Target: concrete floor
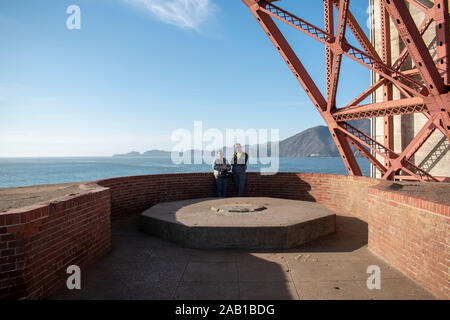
<point x="140" y="266"/>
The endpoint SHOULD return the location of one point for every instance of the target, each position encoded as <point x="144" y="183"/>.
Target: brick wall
<point x="412" y="234"/>
<point x="132" y="195"/>
<point x="408" y="234"/>
<point x="38" y="243"/>
<point x="343" y="194"/>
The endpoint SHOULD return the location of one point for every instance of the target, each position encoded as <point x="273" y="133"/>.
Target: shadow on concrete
<point x="351" y="234"/>
<point x="140" y="266"/>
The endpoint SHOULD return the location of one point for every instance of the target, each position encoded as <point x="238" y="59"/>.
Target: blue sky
<point x="140" y="69"/>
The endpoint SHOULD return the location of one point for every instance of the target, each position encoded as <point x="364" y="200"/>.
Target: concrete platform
<point x="245" y="223"/>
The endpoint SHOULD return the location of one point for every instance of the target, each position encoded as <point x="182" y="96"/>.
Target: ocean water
<point x="18" y="172"/>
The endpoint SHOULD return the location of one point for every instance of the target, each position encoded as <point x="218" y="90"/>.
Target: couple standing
<point x="238" y="166"/>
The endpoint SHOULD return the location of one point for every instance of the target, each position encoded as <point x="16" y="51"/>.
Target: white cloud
<point x="182" y="13"/>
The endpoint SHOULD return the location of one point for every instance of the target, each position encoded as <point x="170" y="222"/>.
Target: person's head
<point x="219" y="154"/>
<point x="238" y="147"/>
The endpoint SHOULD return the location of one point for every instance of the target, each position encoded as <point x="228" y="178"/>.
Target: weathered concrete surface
<point x="434" y="191"/>
<point x="140" y="266"/>
<point x="13" y="198"/>
<point x="197" y="223"/>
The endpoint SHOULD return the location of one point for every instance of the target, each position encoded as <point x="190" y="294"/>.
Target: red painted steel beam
<point x="366" y="153"/>
<point x="371" y="62"/>
<point x="417" y="97"/>
<point x="440" y="124"/>
<point x="365" y="140"/>
<point x="440" y="105"/>
<point x="297" y="23"/>
<point x="419" y="139"/>
<point x="337" y="49"/>
<point x="387" y="86"/>
<point x="359" y="34"/>
<point x="424" y="5"/>
<point x="381" y="109"/>
<point x="291" y="59"/>
<point x="422" y="29"/>
<point x="346" y="152"/>
<point x="441" y="12"/>
<point x="393" y="75"/>
<point x="416" y="46"/>
<point x="437" y="122"/>
<point x="329" y="55"/>
<point x="365" y="94"/>
<point x="394" y="159"/>
<point x="413" y="147"/>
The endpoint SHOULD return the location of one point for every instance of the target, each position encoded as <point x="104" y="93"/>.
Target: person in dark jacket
<point x="239" y="167"/>
<point x="221" y="168"/>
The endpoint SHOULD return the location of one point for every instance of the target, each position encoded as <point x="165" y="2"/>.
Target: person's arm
<point x="246" y="160"/>
<point x="227" y="164"/>
<point x="217" y="165"/>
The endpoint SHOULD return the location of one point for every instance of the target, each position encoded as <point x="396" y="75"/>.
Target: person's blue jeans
<point x="239" y="180"/>
<point x="221" y="184"/>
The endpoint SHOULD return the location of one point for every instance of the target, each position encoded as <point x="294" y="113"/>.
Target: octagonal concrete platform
<point x="245" y="223"/>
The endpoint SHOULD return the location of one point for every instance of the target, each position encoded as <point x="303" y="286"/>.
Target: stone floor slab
<point x="397" y="289"/>
<point x="262" y="290"/>
<point x="263" y="271"/>
<point x="140" y="266"/>
<point x="200" y="290"/>
<point x="211" y="272"/>
<point x="330" y="290"/>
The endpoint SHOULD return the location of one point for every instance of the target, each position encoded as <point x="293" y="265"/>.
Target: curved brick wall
<point x="412" y="234"/>
<point x="343" y="194"/>
<point x="38" y="243"/>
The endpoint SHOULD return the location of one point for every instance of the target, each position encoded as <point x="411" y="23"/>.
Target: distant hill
<point x="313" y="142"/>
<point x="156" y="153"/>
<point x="150" y="153"/>
<point x="129" y="154"/>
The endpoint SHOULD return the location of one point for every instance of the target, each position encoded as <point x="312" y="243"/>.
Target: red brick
<point x="405" y="243"/>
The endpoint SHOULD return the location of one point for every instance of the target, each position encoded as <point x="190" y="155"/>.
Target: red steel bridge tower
<point x="424" y="89"/>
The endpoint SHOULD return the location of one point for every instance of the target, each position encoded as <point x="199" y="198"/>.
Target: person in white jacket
<point x="221" y="167"/>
